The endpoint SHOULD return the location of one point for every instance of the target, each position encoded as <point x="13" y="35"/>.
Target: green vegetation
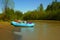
<point x="52" y="12"/>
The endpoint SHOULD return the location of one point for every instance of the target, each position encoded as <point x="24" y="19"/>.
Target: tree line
<point x="52" y="12"/>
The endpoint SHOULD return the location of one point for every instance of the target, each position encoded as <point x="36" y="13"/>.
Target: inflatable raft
<point x="16" y="24"/>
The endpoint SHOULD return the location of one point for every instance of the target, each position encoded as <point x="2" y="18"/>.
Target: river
<point x="43" y="30"/>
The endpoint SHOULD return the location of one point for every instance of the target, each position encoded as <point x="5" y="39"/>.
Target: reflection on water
<point x="42" y="31"/>
<point x="27" y="29"/>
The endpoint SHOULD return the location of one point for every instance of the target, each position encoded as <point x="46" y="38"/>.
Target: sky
<point x="29" y="5"/>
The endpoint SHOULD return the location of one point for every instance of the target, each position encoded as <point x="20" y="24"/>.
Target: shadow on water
<point x="18" y="37"/>
<point x="22" y="32"/>
<point x="17" y="34"/>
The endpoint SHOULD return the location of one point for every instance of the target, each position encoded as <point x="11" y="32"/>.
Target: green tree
<point x="6" y="4"/>
<point x="18" y="14"/>
<point x="40" y="8"/>
<point x="35" y="14"/>
<point x="41" y="12"/>
<point x="54" y="9"/>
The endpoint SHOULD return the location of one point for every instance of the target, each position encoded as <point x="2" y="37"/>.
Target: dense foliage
<point x="52" y="12"/>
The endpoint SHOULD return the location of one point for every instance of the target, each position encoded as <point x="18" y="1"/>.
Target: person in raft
<point x="17" y="20"/>
<point x="20" y="21"/>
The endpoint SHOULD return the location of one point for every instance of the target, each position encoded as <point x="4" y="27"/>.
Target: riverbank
<point x="6" y="26"/>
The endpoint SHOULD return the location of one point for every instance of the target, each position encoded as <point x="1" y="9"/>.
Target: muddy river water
<point x="43" y="30"/>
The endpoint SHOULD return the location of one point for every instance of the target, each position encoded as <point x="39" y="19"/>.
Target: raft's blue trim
<point x="22" y="24"/>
